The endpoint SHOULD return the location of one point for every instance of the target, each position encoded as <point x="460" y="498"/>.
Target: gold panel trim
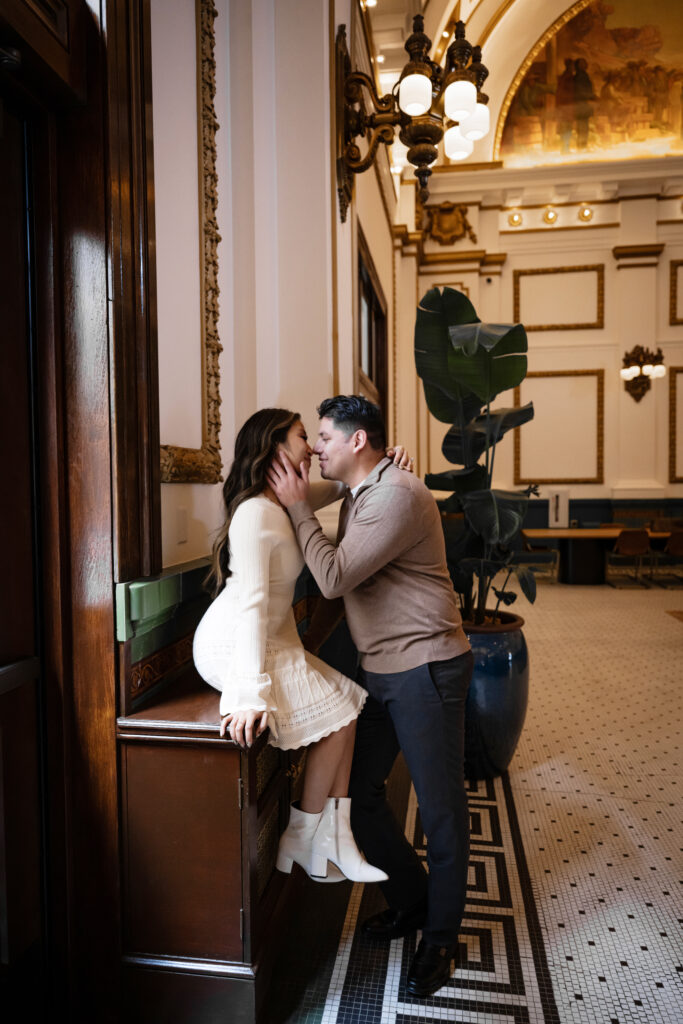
<point x="674" y="318"/>
<point x="333" y="227"/>
<point x="632" y="266"/>
<point x="599" y="323"/>
<point x="526" y="64"/>
<point x="203" y="465"/>
<point x="599" y="477"/>
<point x="674" y="372"/>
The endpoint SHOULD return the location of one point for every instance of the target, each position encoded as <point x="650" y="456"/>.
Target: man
<point x="389" y="565"/>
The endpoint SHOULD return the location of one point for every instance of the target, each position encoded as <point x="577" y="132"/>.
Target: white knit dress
<point x="247" y="645"/>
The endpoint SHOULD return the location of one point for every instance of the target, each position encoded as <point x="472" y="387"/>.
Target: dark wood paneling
<point x="136" y="483"/>
<point x="182" y="851"/>
<point x="169" y="998"/>
<point x="20" y="834"/>
<point x="50" y="35"/>
<point x="89" y="693"/>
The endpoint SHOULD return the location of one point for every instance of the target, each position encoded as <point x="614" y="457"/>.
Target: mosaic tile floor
<point x="575" y="906"/>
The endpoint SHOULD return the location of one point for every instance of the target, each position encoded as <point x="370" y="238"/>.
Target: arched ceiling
<point x="509" y="31"/>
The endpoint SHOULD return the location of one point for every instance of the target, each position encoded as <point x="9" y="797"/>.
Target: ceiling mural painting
<point x="607" y="86"/>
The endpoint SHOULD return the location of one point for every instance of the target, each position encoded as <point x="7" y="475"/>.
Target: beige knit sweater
<point x="389" y="565"/>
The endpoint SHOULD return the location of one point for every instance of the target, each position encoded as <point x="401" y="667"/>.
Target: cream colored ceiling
<point x="507" y="30"/>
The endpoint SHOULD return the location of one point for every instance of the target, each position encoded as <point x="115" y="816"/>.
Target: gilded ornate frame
<point x="204" y="465"/>
<point x="673" y="292"/>
<point x="674" y="371"/>
<point x="599" y="477"/>
<point x="599" y="323"/>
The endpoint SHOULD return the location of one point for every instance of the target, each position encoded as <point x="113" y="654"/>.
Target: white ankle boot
<point x="296" y="845"/>
<point x="334" y="842"/>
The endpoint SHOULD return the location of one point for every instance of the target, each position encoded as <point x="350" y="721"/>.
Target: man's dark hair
<point x="353" y="412"/>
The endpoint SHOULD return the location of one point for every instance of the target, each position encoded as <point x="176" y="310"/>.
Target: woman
<point x="247" y="646"/>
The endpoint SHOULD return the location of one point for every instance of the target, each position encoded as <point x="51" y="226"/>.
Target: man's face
<point x="335" y="451"/>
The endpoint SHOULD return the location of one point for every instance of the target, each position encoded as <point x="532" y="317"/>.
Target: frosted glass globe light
<point x="625" y="373"/>
<point x="647" y="369"/>
<point x="477" y="125"/>
<point x="456" y="146"/>
<point x="659" y="370"/>
<point x="460" y="99"/>
<point x="415" y="94"/>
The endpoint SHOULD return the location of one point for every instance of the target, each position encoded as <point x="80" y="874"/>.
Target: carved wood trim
<point x="149" y="671"/>
<point x="204" y="465"/>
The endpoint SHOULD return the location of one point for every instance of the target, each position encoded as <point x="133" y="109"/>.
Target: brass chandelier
<point x="427" y="103"/>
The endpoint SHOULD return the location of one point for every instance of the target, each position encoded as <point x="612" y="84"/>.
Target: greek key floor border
<point x="503" y="975"/>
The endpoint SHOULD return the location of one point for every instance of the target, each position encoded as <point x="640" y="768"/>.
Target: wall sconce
<point x="550" y="215"/>
<point x="641" y="366"/>
<point x="427" y="104"/>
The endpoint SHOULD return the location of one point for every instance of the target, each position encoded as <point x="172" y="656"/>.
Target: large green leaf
<point x="473" y="478"/>
<point x="465" y="446"/>
<point x="437" y="312"/>
<point x="500" y="421"/>
<point x="495" y="515"/>
<point x="487" y="358"/>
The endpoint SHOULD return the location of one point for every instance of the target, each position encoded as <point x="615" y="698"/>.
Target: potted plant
<point x="464" y="365"/>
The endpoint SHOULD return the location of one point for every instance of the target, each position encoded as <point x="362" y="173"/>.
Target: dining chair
<point x="630" y="549"/>
<point x="670" y="558"/>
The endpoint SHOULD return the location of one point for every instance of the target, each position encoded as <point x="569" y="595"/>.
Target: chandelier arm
<point x="353" y="90"/>
<point x="352" y="158"/>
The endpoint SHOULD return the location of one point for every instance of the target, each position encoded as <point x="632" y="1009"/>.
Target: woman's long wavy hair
<point x="255" y="448"/>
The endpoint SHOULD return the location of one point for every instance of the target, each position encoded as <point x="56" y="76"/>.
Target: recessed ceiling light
<point x="585" y="212"/>
<point x="550" y="215"/>
<point x="380" y="58"/>
<point x="515" y="219"/>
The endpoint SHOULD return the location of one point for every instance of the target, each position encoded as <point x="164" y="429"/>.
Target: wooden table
<point x="582" y="550"/>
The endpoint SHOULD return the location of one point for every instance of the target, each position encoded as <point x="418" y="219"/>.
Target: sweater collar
<point x="372" y="477"/>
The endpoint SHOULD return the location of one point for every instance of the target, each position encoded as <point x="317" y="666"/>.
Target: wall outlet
<point x="181" y="525"/>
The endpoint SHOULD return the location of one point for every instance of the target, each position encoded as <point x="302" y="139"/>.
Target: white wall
<point x="274" y="216"/>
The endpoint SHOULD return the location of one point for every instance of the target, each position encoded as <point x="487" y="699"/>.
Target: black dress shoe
<point x="430" y="969"/>
<point x="393" y="924"/>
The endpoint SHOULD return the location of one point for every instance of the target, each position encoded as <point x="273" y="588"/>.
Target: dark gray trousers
<point x="421" y="712"/>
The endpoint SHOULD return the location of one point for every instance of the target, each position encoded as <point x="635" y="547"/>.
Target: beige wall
<point x="629" y="202"/>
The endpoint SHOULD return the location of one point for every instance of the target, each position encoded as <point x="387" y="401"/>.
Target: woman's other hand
<point x="400" y="457"/>
<point x="244" y="726"/>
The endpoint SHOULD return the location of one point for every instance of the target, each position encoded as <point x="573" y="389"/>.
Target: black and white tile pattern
<point x="575" y="906"/>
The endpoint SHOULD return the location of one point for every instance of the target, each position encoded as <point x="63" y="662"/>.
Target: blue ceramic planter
<point x="498" y="696"/>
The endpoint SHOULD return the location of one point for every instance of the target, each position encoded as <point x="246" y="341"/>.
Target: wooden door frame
<point x="99" y="441"/>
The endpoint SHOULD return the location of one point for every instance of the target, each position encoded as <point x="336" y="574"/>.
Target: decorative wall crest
<point x="447" y="223"/>
<point x="203" y="465"/>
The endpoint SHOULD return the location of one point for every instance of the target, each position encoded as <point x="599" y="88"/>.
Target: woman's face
<point x="296" y="447"/>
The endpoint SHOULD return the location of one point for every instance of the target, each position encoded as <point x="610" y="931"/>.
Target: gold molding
<point x="483" y="165"/>
<point x="674" y="371"/>
<point x="447" y="223"/>
<point x="673" y="292"/>
<point x="629" y="252"/>
<point x="526" y="64"/>
<point x="494" y="20"/>
<point x="559" y="227"/>
<point x="599" y="324"/>
<point x="599" y="477"/>
<point x="333" y="226"/>
<point x="203" y="465"/>
<point x="433" y="258"/>
<point x="633" y="266"/>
